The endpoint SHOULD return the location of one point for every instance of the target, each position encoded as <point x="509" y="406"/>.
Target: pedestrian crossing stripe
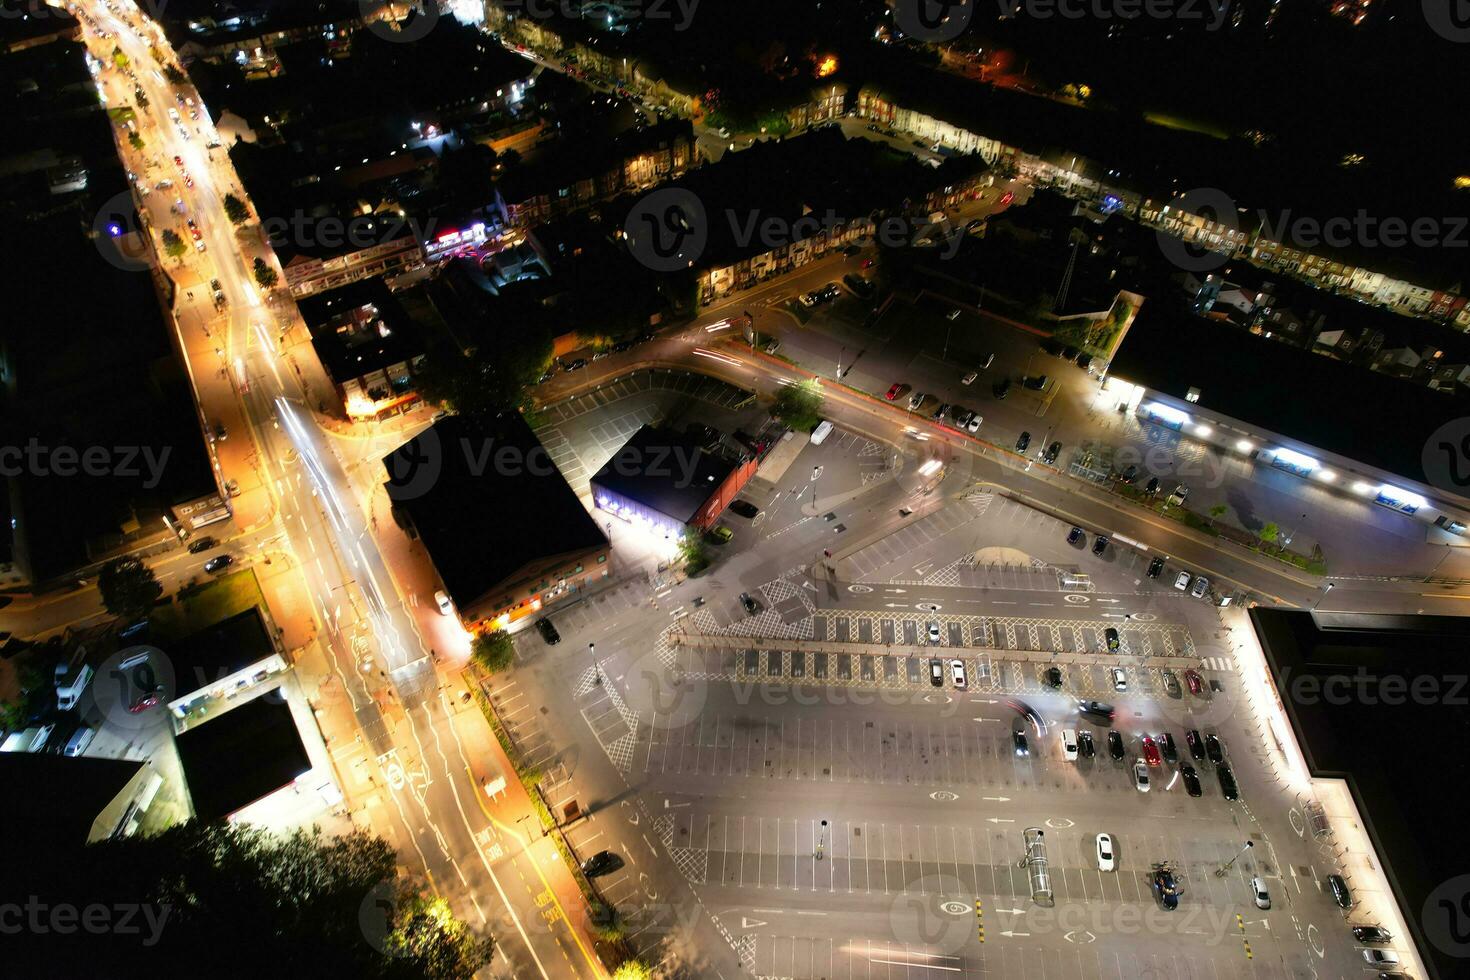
<point x="979" y="920"/>
<point x="1248" y="954"/>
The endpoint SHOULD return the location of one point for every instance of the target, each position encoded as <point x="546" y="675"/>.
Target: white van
<point x="821" y="432"/>
<point x="69" y="688"/>
<point x="1069" y="745"/>
<point x="80" y="739"/>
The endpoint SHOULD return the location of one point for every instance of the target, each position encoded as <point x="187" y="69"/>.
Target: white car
<point x="442" y="601"/>
<point x="1140" y="775"/>
<point x="957" y="671"/>
<point x="974" y="424"/>
<point x="1182" y="582"/>
<point x="1105" y="853"/>
<point x="1381" y="957"/>
<point x="1069" y="745"/>
<point x="1263" y="897"/>
<point x="1120" y="680"/>
<point x="934" y="633"/>
<point x="969" y="379"/>
<point x="916" y="399"/>
<point x="1201" y="586"/>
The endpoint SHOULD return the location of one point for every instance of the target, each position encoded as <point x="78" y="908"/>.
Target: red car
<point x="897" y="389"/>
<point x="1195" y="682"/>
<point x="149" y="699"/>
<point x="869" y="263"/>
<point x="179" y="162"/>
<point x="1007" y="198"/>
<point x="1151" y="751"/>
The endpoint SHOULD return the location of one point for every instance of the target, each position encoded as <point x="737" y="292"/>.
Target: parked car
<point x="601" y="863"/>
<point x="441" y="600"/>
<point x="548" y="631"/>
<point x="70" y="685"/>
<point x="1181" y="582"/>
<point x="1372" y="934"/>
<point x="1170" y="750"/>
<point x="1069" y="745"/>
<point x="1171" y="684"/>
<point x="916" y="399"/>
<point x="1054" y="677"/>
<point x="957" y="671"/>
<point x="1227" y="782"/>
<point x="1001" y="388"/>
<point x="1191" y="780"/>
<point x="936" y="672"/>
<point x="1052" y="347"/>
<point x="1201" y="586"/>
<point x="1036" y="382"/>
<point x="1075" y="536"/>
<point x="721" y="534"/>
<point x="219" y="563"/>
<point x="940" y="412"/>
<point x="744" y="508"/>
<point x="1195" y="681"/>
<point x="1110" y="635"/>
<point x="78" y="741"/>
<point x="1023" y="442"/>
<point x="1155" y="567"/>
<point x="1120" y="680"/>
<point x="1105" y="860"/>
<point x="1100" y="544"/>
<point x="1084" y="744"/>
<point x="1052" y="452"/>
<point x="1140" y="776"/>
<point x="1166" y="888"/>
<point x="752" y="606"/>
<point x="934" y="634"/>
<point x="202" y="544"/>
<point x="1339" y="891"/>
<point x="896" y="389"/>
<point x="1380" y="957"/>
<point x="1151" y="751"/>
<point x="1196" y="745"/>
<point x="1214" y="749"/>
<point x="1115" y="746"/>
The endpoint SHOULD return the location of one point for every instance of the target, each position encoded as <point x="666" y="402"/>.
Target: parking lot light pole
<point x="821" y="840"/>
<point x="1224" y="869"/>
<point x="596" y="668"/>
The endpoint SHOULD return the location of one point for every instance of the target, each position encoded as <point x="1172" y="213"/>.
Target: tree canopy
<point x="487" y="379"/>
<point x="800" y="405"/>
<point x="128" y="588"/>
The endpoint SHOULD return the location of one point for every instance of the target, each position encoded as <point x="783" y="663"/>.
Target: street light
<point x="1224" y="869"/>
<point x="596" y="668"/>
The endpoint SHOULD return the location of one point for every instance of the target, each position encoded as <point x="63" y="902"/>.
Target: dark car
<point x="1052" y="452"/>
<point x="1155" y="567"/>
<point x="1152" y="487"/>
<point x="1166" y="888"/>
<point x="1128" y="475"/>
<point x="1171" y="751"/>
<point x="1227" y="782"/>
<point x="623" y="346"/>
<point x="1339" y="890"/>
<point x="1001" y="388"/>
<point x="1036" y="382"/>
<point x="1196" y="747"/>
<point x="1100" y="708"/>
<point x="201" y="544"/>
<point x="1054" y="676"/>
<point x="941" y="412"/>
<point x="1372" y="934"/>
<point x="1070" y="353"/>
<point x="830" y="291"/>
<point x="1084" y="361"/>
<point x="1100" y="545"/>
<point x="751" y="605"/>
<point x="1084" y="744"/>
<point x="1018" y="739"/>
<point x="936" y="672"/>
<point x="548" y="632"/>
<point x="1115" y="746"/>
<point x="1214" y="749"/>
<point x="1023" y="442"/>
<point x="1075" y="535"/>
<point x="1111" y="636"/>
<point x="1191" y="780"/>
<point x="601" y="863"/>
<point x="1052" y="347"/>
<point x="1171" y="684"/>
<point x="219" y="563"/>
<point x="745" y="508"/>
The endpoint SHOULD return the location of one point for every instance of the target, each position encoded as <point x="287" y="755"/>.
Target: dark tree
<point x="128" y="588"/>
<point x="488" y="379"/>
<point x="235" y="209"/>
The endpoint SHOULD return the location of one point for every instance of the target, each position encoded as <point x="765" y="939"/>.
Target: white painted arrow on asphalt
<point x="670" y="804"/>
<point x="997" y="799"/>
<point x="751" y="923"/>
<point x="1013" y="935"/>
<point x="999" y="820"/>
<point x="1013" y="911"/>
<point x="897" y="591"/>
<point x="1110" y="600"/>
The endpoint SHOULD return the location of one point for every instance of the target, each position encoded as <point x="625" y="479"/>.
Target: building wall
<point x="726" y="492"/>
<point x="305" y="276"/>
<point x="537" y="586"/>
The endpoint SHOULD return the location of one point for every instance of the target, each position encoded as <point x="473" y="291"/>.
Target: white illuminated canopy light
<point x="1203" y="430"/>
<point x="1168" y="413"/>
<point x="1399" y="496"/>
<point x="1244" y="446"/>
<point x="1325" y="474"/>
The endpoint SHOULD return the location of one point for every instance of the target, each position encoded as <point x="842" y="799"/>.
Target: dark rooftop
<point x="1341" y="408"/>
<point x="360" y="328"/>
<point x="62" y="797"/>
<point x="486" y="501"/>
<point x="1399" y="750"/>
<point x="241" y="756"/>
<point x="665" y="471"/>
<point x="217" y="651"/>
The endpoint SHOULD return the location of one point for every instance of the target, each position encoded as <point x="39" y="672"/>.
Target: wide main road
<point x="419" y="751"/>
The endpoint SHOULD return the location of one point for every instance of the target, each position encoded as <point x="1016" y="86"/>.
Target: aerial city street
<point x="638" y="489"/>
